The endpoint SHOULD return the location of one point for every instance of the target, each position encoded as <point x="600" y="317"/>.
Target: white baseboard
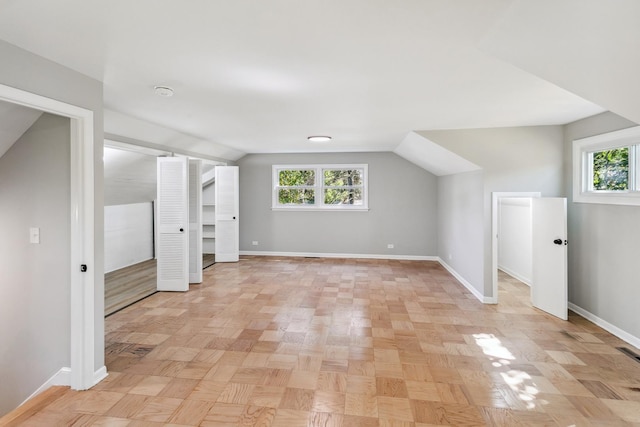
<point x="483" y="299"/>
<point x="62" y="377"/>
<point x="99" y="375"/>
<point x="623" y="335"/>
<point x="334" y="255"/>
<point x="515" y="275"/>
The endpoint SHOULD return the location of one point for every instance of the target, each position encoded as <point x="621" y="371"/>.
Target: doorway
<point x="82" y="372"/>
<point x="497" y="197"/>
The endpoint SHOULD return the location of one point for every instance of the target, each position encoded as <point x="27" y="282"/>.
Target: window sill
<point x="316" y="209"/>
<point x="628" y="199"/>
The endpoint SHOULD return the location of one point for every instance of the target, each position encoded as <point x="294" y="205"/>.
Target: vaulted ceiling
<point x="254" y="76"/>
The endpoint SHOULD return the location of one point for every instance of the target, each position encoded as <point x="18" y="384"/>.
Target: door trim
<point x="83" y="374"/>
<point x="495" y="199"/>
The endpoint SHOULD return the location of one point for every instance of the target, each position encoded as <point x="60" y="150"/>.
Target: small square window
<point x="611" y="169"/>
<point x="606" y="168"/>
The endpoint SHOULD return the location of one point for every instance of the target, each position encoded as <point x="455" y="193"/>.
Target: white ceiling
<point x="253" y="76"/>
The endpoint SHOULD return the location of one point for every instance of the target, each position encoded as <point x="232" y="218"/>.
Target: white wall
<point x="515" y="238"/>
<point x="128" y="235"/>
<point x="519" y="159"/>
<point x="34" y="295"/>
<point x="402" y="202"/>
<point x="604" y="243"/>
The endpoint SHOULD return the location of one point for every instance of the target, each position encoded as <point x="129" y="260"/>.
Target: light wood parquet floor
<point x="327" y="342"/>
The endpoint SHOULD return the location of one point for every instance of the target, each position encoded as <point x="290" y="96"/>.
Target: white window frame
<point x="583" y="150"/>
<point x="319" y="188"/>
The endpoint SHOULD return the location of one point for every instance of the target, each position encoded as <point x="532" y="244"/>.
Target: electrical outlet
<point x="450" y="257"/>
<point x="254" y="243"/>
<point x="390" y="246"/>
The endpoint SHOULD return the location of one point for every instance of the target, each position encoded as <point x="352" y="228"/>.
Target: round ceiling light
<point x="165" y="91"/>
<point x="319" y="138"/>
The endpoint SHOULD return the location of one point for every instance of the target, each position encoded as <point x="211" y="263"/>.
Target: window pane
<point x="351" y="196"/>
<point x="611" y="169"/>
<point x="296" y="196"/>
<point x="342" y="177"/>
<point x="296" y="177"/>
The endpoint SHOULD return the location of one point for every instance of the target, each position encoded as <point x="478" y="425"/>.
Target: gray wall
<point x="512" y="159"/>
<point x="604" y="243"/>
<point x="34" y="291"/>
<point x="460" y="225"/>
<point x="402" y="202"/>
<point x="23" y="70"/>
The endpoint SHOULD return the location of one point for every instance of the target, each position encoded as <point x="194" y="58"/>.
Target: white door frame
<point x="495" y="199"/>
<point x="82" y="350"/>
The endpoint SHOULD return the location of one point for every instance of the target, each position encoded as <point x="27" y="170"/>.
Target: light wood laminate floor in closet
<point x="328" y="342"/>
<point x="130" y="284"/>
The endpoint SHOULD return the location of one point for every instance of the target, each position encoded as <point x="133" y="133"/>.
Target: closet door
<point x="173" y="223"/>
<point x="227" y="218"/>
<point x="195" y="221"/>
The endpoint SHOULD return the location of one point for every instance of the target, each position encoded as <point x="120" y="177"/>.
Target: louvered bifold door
<point x="195" y="221"/>
<point x="173" y="223"/>
<point x="227" y="218"/>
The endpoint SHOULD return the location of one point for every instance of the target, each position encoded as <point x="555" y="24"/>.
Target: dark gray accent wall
<point x="34" y="291"/>
<point x="604" y="243"/>
<point x="402" y="202"/>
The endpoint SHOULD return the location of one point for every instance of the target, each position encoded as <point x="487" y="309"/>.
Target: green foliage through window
<point x="611" y="169"/>
<point x="328" y="186"/>
<point x="293" y="177"/>
<point x="343" y="186"/>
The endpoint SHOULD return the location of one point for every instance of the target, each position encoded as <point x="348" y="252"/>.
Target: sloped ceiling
<point x="129" y="177"/>
<point x="15" y="120"/>
<point x="260" y="76"/>
<point x="588" y="47"/>
<point x="130" y="174"/>
<point x="427" y="154"/>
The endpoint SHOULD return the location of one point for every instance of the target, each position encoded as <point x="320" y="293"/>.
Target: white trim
<point x="582" y="170"/>
<point x="495" y="198"/>
<point x="623" y="335"/>
<point x="62" y="377"/>
<point x="99" y="375"/>
<point x="476" y="293"/>
<point x="82" y="228"/>
<point x="335" y="255"/>
<point x="515" y="275"/>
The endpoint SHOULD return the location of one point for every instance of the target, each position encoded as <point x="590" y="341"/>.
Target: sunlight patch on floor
<point x="519" y="381"/>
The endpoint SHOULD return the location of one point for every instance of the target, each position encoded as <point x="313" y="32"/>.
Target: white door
<point x="549" y="276"/>
<point x="227" y="219"/>
<point x="195" y="221"/>
<point x="173" y="222"/>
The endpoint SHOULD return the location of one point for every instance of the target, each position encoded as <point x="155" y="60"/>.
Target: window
<point x="312" y="187"/>
<point x="606" y="168"/>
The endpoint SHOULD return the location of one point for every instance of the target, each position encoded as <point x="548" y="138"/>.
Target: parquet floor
<point x="327" y="342"/>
